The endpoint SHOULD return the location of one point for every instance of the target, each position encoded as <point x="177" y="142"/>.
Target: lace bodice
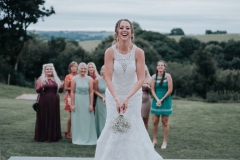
<point x="124" y="73"/>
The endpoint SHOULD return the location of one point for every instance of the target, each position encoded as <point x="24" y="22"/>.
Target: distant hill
<point x="91" y="45"/>
<point x="211" y="37"/>
<point x="74" y="35"/>
<point x="89" y="40"/>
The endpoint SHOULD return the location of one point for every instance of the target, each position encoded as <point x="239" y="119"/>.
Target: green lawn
<point x="198" y="130"/>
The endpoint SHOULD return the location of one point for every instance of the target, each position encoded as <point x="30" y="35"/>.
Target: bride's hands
<point x="118" y="106"/>
<point x="125" y="105"/>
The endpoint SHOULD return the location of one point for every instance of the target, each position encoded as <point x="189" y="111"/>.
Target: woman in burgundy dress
<point x="48" y="128"/>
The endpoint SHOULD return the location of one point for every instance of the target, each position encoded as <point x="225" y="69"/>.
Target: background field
<point x="89" y="45"/>
<point x="92" y="44"/>
<point x="198" y="130"/>
<point x="212" y="37"/>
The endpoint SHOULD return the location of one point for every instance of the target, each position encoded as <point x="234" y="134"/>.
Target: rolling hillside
<point x="92" y="44"/>
<point x="212" y="37"/>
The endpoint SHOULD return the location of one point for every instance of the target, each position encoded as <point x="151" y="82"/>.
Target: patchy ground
<point x="27" y="96"/>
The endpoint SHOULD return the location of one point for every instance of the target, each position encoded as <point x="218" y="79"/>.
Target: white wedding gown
<point x="136" y="143"/>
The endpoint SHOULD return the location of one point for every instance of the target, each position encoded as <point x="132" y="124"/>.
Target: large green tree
<point x="15" y="18"/>
<point x="204" y="75"/>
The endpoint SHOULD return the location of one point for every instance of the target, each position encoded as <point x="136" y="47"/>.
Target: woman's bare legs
<point x="165" y="131"/>
<point x="68" y="132"/>
<point x="155" y="120"/>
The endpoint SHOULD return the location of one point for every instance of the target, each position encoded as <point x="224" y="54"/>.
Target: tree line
<point x="206" y="70"/>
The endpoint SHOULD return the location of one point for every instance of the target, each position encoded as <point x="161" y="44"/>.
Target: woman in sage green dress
<point x="161" y="87"/>
<point x="101" y="113"/>
<point x="83" y="120"/>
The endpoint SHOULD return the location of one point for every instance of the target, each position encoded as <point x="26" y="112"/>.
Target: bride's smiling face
<point x="124" y="31"/>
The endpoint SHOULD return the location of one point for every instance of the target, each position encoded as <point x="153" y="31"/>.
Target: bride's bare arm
<point x="108" y="67"/>
<point x="140" y="70"/>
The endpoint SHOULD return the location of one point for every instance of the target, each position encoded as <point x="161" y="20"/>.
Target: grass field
<point x="89" y="45"/>
<point x="198" y="130"/>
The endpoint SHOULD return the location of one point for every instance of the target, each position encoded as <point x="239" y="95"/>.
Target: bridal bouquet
<point x="120" y="124"/>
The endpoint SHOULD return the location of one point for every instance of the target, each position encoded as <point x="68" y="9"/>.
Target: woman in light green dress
<point x="101" y="113"/>
<point x="83" y="120"/>
<point x="161" y="87"/>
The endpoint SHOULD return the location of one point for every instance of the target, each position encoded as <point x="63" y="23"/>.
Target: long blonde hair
<point x="101" y="70"/>
<point x="96" y="74"/>
<point x="55" y="77"/>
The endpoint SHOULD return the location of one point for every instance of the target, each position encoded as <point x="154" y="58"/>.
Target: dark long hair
<point x="164" y="72"/>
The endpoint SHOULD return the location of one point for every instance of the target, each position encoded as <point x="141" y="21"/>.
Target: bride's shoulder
<point x="139" y="51"/>
<point x="109" y="51"/>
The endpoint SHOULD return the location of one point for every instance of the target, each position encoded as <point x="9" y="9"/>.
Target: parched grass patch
<point x="198" y="130"/>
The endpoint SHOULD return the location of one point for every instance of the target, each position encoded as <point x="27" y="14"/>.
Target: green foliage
<point x="227" y="80"/>
<point x="222" y="96"/>
<point x="232" y="55"/>
<point x="182" y="78"/>
<point x="151" y="56"/>
<point x="204" y="75"/>
<point x="187" y="47"/>
<point x="199" y="69"/>
<point x="216" y="32"/>
<point x="16" y="16"/>
<point x="98" y="53"/>
<point x="177" y="31"/>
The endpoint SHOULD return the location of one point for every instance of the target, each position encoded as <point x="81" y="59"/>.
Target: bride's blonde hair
<point x="55" y="77"/>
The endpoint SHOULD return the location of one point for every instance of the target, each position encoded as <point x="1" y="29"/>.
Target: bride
<point x="124" y="74"/>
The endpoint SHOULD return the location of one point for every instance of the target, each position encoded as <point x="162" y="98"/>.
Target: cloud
<point x="84" y="15"/>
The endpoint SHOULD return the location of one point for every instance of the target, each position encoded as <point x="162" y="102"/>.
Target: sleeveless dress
<point x="146" y="102"/>
<point x="134" y="144"/>
<point x="83" y="121"/>
<point x="166" y="108"/>
<point x="101" y="113"/>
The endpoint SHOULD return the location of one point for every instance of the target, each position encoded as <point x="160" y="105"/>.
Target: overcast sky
<point x="193" y="16"/>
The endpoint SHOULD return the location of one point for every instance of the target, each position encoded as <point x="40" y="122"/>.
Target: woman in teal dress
<point x="101" y="113"/>
<point x="83" y="120"/>
<point x="161" y="87"/>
